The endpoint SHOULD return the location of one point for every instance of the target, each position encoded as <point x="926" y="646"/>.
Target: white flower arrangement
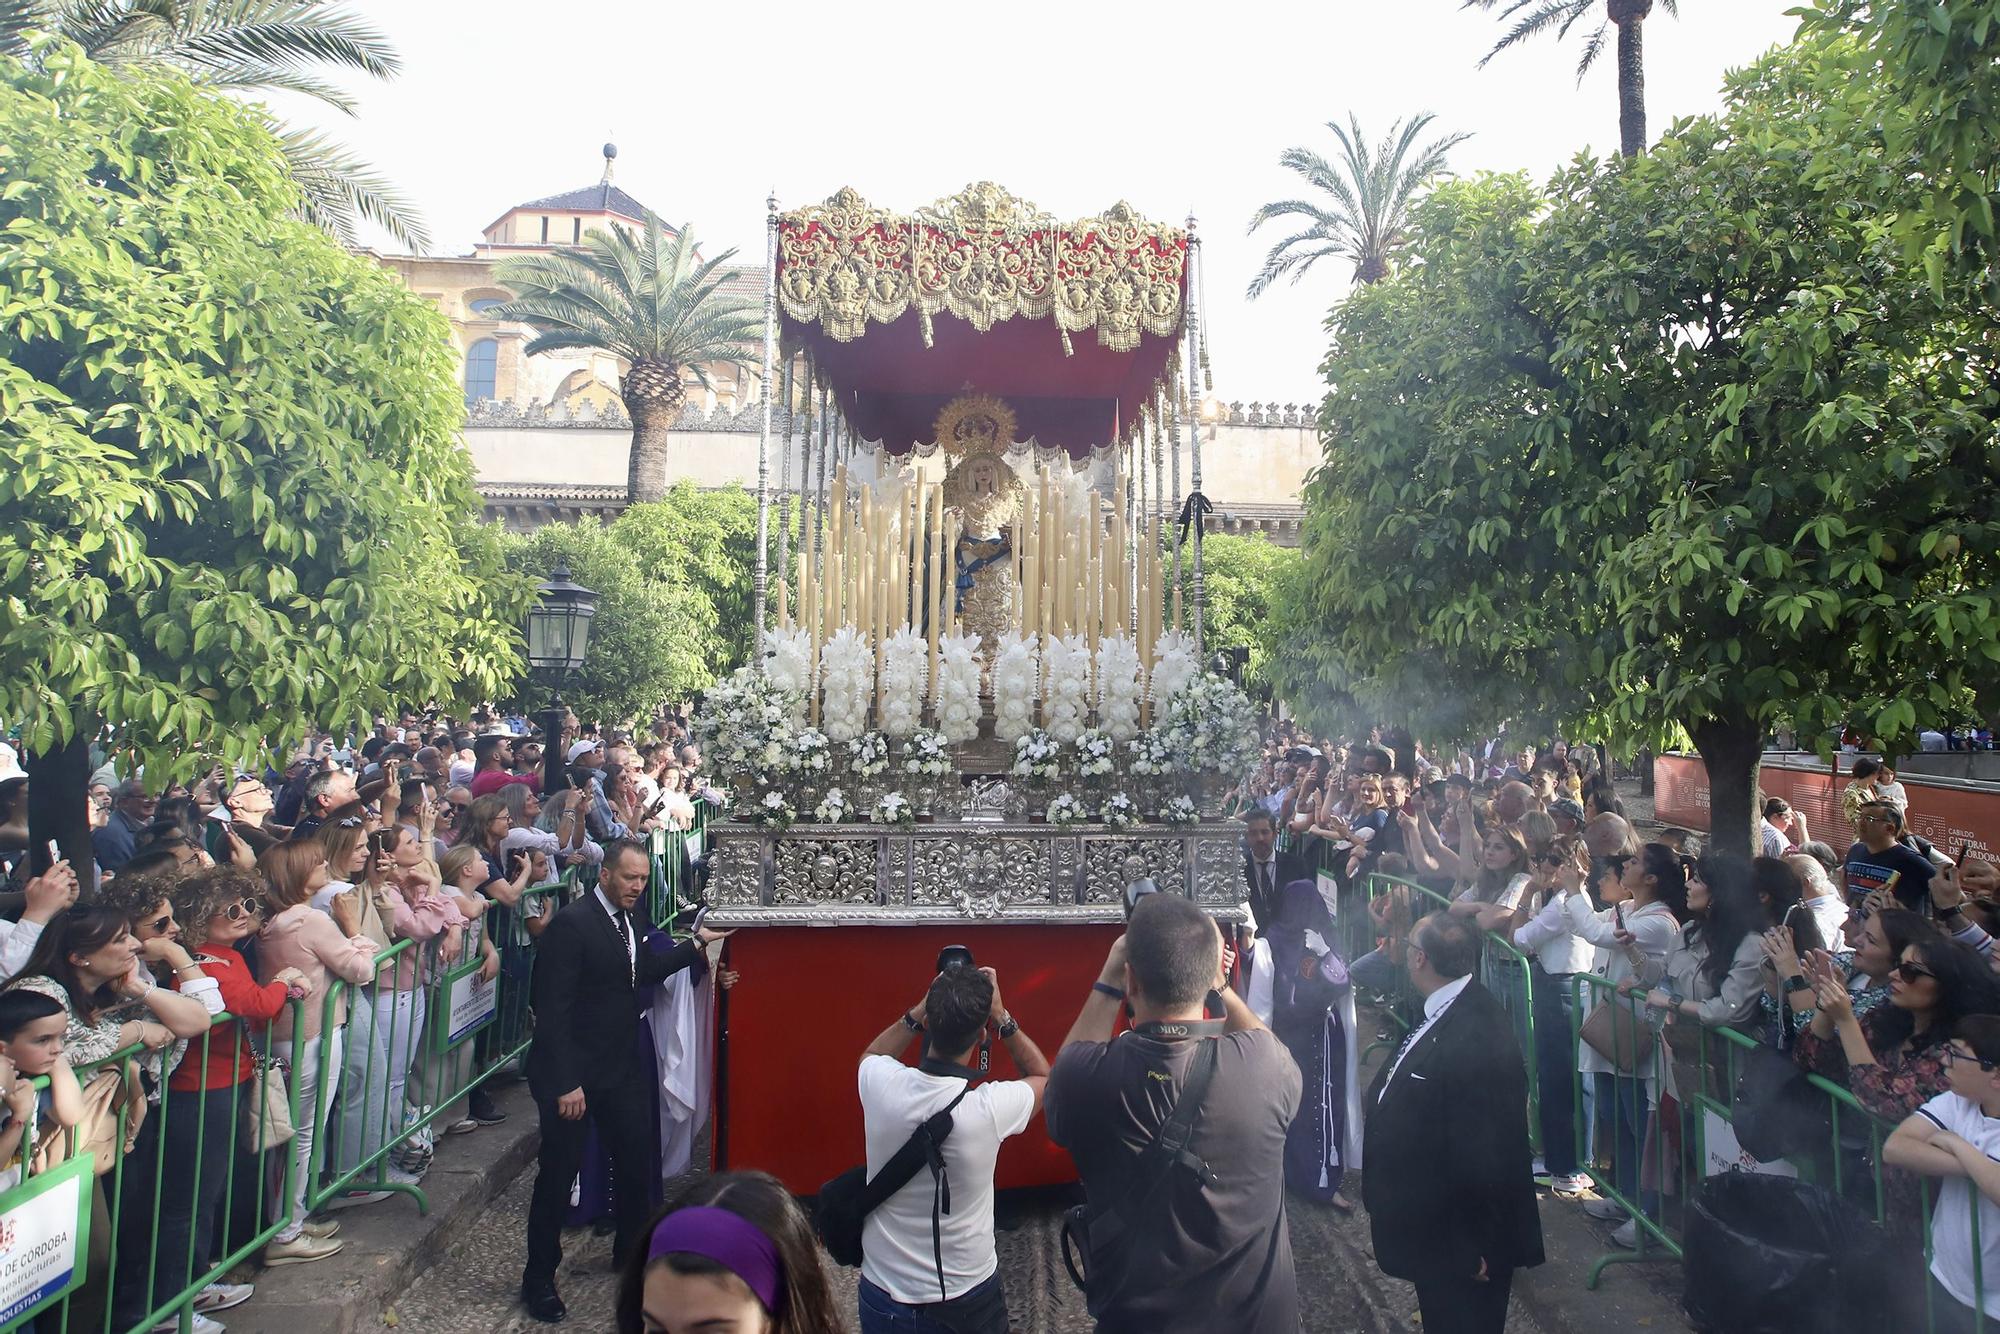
<point x="1212" y="728"/>
<point x="927" y="754"/>
<point x="1095" y="752"/>
<point x="833" y="807"/>
<point x="847" y="681"/>
<point x="1067" y="701"/>
<point x="741" y="718"/>
<point x="906" y="669"/>
<point x="1017" y="678"/>
<point x="1152" y="753"/>
<point x="1067" y="809"/>
<point x="1121" y="682"/>
<point x="955" y="692"/>
<point x="1180" y="811"/>
<point x="893" y="808"/>
<point x="812" y="753"/>
<point x="867" y="754"/>
<point x="788" y="664"/>
<point x="1037" y="755"/>
<point x="772" y="811"/>
<point x="1174" y="666"/>
<point x="1119" y="811"/>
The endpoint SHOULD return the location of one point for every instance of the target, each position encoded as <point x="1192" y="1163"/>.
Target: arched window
<point x="482" y="365"/>
<point x="486" y="303"/>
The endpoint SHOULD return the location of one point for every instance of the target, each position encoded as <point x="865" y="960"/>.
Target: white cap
<point x="583" y="747"/>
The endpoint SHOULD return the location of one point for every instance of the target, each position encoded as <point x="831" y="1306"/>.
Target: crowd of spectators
<point x="1868" y="962"/>
<point x="252" y="894"/>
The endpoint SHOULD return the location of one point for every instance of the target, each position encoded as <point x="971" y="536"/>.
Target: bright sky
<point x="1172" y="106"/>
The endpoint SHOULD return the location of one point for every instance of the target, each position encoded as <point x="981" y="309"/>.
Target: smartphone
<point x="1963" y="848"/>
<point x="381" y="842"/>
<point x="1620" y="910"/>
<point x="54" y="856"/>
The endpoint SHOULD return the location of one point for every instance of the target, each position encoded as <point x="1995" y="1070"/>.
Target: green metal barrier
<point x="1706" y="1065"/>
<point x="408" y="1056"/>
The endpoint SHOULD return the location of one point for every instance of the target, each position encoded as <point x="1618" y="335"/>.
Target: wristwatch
<point x="911" y="1022"/>
<point x="1008" y="1028"/>
<point x="1797" y="982"/>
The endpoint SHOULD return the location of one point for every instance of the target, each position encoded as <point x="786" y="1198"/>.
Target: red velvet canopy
<point x="1075" y="325"/>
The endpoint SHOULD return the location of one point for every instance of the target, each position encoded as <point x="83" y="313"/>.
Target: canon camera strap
<point x="1174" y="1030"/>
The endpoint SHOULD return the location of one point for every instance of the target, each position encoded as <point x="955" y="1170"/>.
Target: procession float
<point x="980" y="713"/>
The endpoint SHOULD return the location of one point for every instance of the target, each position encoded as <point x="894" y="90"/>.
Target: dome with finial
<point x="567" y="215"/>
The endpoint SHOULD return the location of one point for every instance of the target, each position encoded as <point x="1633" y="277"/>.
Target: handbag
<point x="845" y="1202"/>
<point x="1100" y="1234"/>
<point x="97" y="1132"/>
<point x="1620" y="1034"/>
<point x="265" y="1116"/>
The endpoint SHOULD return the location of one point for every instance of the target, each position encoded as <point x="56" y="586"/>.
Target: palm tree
<point x="653" y="301"/>
<point x="1372" y="193"/>
<point x="1628" y="16"/>
<point x="248" y="46"/>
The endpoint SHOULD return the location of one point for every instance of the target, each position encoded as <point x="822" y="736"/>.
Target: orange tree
<point x="1689" y="443"/>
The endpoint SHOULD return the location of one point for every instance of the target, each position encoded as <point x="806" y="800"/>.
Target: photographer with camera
<point x="928" y="1263"/>
<point x="1178" y="1130"/>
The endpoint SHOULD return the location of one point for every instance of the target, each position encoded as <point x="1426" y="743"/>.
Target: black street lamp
<point x="558" y="632"/>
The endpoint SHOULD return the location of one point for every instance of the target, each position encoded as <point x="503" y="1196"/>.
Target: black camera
<point x="954" y="956"/>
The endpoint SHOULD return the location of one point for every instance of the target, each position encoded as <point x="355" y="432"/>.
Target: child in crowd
<point x="31" y="1044"/>
<point x="1955" y="1136"/>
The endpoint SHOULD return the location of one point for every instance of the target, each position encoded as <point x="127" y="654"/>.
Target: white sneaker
<point x="200" y="1324"/>
<point x="1576" y="1183"/>
<point x="1604" y="1211"/>
<point x="1626" y="1236"/>
<point x="222" y="1296"/>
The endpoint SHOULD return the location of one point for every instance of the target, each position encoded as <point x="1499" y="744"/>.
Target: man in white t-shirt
<point x="947" y="1279"/>
<point x="1956" y="1136"/>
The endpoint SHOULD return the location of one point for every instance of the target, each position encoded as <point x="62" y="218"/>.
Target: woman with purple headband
<point x="728" y="1252"/>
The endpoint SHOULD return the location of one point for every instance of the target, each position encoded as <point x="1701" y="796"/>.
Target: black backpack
<point x="1102" y="1235"/>
<point x="846" y="1201"/>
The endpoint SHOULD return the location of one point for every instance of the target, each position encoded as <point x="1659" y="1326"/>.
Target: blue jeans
<point x="1377" y="972"/>
<point x="1555" y="1072"/>
<point x="1622" y="1120"/>
<point x="978" y="1310"/>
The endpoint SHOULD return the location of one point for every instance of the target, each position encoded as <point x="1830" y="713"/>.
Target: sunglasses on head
<point x="1619" y="861"/>
<point x="1910" y="972"/>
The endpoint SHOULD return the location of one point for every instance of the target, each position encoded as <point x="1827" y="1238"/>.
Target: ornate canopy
<point x="1073" y="324"/>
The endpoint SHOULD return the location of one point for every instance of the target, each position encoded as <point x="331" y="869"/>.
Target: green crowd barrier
<point x="1693" y="1072"/>
<point x="429" y="1027"/>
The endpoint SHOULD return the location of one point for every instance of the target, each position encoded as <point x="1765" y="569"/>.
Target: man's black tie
<point x="625" y="937"/>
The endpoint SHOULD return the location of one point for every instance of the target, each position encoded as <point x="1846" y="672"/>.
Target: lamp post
<point x="558" y="631"/>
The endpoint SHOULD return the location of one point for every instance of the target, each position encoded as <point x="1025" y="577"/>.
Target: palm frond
<point x="255" y="78"/>
<point x="1371" y="189"/>
<point x="339" y="190"/>
<point x="641" y="294"/>
<point x="281" y="34"/>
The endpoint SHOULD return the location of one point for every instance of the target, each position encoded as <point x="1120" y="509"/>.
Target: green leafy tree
<point x="1532" y="18"/>
<point x="248" y="46"/>
<point x="1689" y="443"/>
<point x="233" y="502"/>
<point x="705" y="541"/>
<point x="1368" y="198"/>
<point x="1240" y="577"/>
<point x="649" y="298"/>
<point x="1938" y="65"/>
<point x="647" y="643"/>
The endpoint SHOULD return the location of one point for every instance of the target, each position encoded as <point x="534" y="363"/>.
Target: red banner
<point x="1952" y="817"/>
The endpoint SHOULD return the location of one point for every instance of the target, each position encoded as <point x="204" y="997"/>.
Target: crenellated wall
<point x="539" y="464"/>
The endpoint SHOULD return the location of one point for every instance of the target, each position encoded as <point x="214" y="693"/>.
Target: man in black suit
<point x="589" y="966"/>
<point x="1449" y="1180"/>
<point x="1265" y="869"/>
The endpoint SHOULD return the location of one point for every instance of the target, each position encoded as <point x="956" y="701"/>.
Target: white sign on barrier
<point x="1724" y="1154"/>
<point x="474" y="1002"/>
<point x="43" y="1238"/>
